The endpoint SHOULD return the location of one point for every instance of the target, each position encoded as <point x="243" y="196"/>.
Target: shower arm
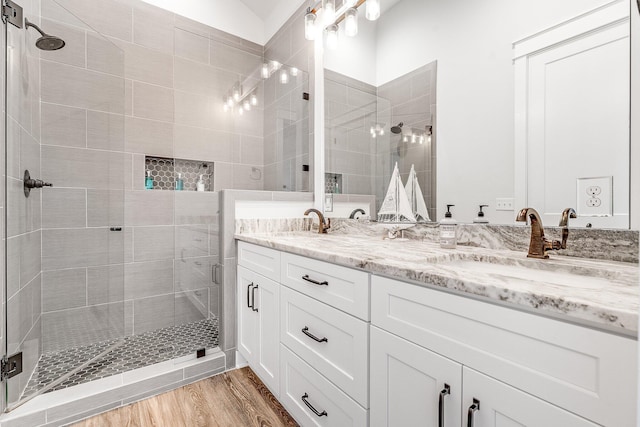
<point x="28" y="24"/>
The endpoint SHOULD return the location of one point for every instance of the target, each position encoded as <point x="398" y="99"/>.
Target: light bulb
<point x="381" y="131"/>
<point x="254" y="99"/>
<point x="246" y="105"/>
<point x="405" y="138"/>
<point x="373" y="10"/>
<point x="236" y="93"/>
<point x="225" y="107"/>
<point x="328" y="11"/>
<point x="265" y="71"/>
<point x="241" y="110"/>
<point x="332" y="36"/>
<point x="350" y="3"/>
<point x="429" y="139"/>
<point x="310" y="25"/>
<point x="421" y="139"/>
<point x="351" y="22"/>
<point x="230" y="102"/>
<point x="294" y="71"/>
<point x="284" y="77"/>
<point x="275" y="65"/>
<point x="413" y="139"/>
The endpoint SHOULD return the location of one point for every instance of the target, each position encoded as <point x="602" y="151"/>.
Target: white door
<point x="247" y="316"/>
<point x="410" y="383"/>
<point x="572" y="119"/>
<point x="268" y="305"/>
<point x="501" y="405"/>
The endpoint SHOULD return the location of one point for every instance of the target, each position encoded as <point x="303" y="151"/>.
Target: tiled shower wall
<point x="24" y="232"/>
<point x="151" y="87"/>
<point x="411" y="99"/>
<point x="366" y="163"/>
<point x="288" y="133"/>
<point x="350" y="151"/>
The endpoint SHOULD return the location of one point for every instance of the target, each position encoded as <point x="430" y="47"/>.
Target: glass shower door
<point x="64" y="244"/>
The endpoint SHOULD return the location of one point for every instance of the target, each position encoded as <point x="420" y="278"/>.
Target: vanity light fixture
<point x="351" y="22"/>
<point x="332" y="36"/>
<point x="293" y="71"/>
<point x="376" y="130"/>
<point x="284" y="76"/>
<point x="373" y="10"/>
<point x="331" y="18"/>
<point x="254" y="99"/>
<point x="264" y="71"/>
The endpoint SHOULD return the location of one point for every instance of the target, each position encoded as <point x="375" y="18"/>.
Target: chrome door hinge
<point x="11" y="13"/>
<point x="11" y="366"/>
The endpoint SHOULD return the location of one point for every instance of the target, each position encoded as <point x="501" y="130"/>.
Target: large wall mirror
<point x="438" y="85"/>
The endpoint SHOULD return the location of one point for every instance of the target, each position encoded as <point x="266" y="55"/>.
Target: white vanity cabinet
<point x="514" y="361"/>
<point x="259" y="315"/>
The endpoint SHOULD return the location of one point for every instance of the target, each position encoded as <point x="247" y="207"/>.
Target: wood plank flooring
<point x="235" y="398"/>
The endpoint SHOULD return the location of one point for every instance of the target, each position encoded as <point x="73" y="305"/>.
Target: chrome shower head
<point x="47" y="41"/>
<point x="397" y="128"/>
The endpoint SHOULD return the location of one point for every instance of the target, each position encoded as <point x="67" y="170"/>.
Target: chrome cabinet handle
<point x="443" y="393"/>
<point x="315" y="282"/>
<point x="310" y="406"/>
<point x="305" y="331"/>
<point x="249" y="295"/>
<point x="253" y="298"/>
<point x="471" y="413"/>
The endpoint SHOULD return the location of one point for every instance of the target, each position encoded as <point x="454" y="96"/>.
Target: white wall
<point x="226" y="15"/>
<point x="355" y="56"/>
<point x="471" y="40"/>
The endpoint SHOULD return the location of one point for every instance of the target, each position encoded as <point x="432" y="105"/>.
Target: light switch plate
<point x="328" y="202"/>
<point x="595" y="196"/>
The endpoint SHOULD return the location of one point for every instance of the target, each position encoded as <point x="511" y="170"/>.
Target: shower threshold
<point x="137" y="351"/>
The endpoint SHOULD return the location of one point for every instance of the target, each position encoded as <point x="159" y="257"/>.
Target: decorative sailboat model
<point x="395" y="206"/>
<point x="416" y="199"/>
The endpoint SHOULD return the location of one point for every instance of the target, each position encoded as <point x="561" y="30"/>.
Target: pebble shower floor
<point x="137" y="351"/>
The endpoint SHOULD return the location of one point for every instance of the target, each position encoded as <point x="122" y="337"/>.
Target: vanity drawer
<point x="341" y="287"/>
<point x="588" y="372"/>
<point x="262" y="260"/>
<point x="298" y="379"/>
<point x="333" y="342"/>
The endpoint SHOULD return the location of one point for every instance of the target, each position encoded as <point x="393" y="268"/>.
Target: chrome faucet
<point x="322" y="226"/>
<point x="538" y="245"/>
<point x="564" y="223"/>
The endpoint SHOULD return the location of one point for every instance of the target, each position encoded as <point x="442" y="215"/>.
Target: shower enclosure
<point x="101" y="275"/>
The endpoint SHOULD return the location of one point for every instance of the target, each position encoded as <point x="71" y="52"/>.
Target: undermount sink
<point x="561" y="273"/>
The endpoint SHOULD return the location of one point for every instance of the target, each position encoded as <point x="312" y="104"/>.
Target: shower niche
<point x="165" y="173"/>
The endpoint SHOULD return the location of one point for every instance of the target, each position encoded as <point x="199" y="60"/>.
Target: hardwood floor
<point x="236" y="398"/>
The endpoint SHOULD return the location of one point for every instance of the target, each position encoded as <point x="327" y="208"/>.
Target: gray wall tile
<point x="191" y="46"/>
<point x="152" y="102"/>
<point x="191" y="306"/>
<point x="74" y="48"/>
<point x="153" y="243"/>
<point x="146" y="313"/>
<point x="149" y="207"/>
<point x="64" y="208"/>
<point x="145" y="279"/>
<point x="63" y="289"/>
<point x="153" y="27"/>
<point x="104" y="56"/>
<point x="105" y="284"/>
<point x="69" y="248"/>
<point x="67" y="85"/>
<point x="105" y="131"/>
<point x="147" y="65"/>
<point x="105" y="208"/>
<point x="149" y="137"/>
<point x="62" y="125"/>
<point x="193" y="273"/>
<point x="197" y="208"/>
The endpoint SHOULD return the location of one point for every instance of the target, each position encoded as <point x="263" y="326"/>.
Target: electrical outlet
<point x="504" y="204"/>
<point x="595" y="196"/>
<point x="594" y="190"/>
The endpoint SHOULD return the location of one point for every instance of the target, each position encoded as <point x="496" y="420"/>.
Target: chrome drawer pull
<point x="315" y="282"/>
<point x="444" y="392"/>
<point x="310" y="406"/>
<point x="472" y="411"/>
<point x="305" y="331"/>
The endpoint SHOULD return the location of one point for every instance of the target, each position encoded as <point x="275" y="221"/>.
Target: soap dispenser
<point x="200" y="184"/>
<point x="179" y="183"/>
<point x="148" y="181"/>
<point x="448" y="230"/>
<point x="480" y="219"/>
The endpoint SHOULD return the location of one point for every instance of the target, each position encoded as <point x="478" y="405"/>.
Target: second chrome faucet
<point x="539" y="244"/>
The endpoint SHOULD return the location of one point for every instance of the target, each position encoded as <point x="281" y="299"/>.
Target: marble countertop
<point x="602" y="294"/>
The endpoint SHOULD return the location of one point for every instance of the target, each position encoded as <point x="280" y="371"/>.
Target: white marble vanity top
<point x="602" y="294"/>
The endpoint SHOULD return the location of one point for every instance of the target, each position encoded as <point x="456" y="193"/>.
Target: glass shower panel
<point x="64" y="288"/>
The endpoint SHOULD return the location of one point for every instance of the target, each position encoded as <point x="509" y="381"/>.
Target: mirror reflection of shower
<point x="47" y="41"/>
